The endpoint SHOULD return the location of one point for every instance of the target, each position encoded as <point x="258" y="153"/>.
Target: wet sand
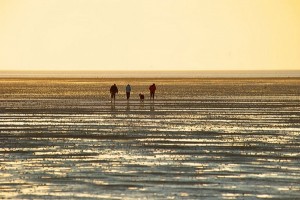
<point x="200" y="139"/>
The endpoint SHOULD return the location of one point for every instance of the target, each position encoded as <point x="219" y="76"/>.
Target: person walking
<point x="113" y="92"/>
<point x="152" y="89"/>
<point x="128" y="90"/>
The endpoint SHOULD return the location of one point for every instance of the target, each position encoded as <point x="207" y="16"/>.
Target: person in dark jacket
<point x="113" y="91"/>
<point x="152" y="89"/>
<point x="128" y="90"/>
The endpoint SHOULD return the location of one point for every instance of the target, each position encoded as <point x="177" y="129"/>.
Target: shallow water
<point x="212" y="139"/>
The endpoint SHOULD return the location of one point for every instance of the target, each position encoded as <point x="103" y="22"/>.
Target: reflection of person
<point x="152" y="107"/>
<point x="112" y="107"/>
<point x="128" y="90"/>
<point x="113" y="91"/>
<point x="127" y="106"/>
<point x="152" y="89"/>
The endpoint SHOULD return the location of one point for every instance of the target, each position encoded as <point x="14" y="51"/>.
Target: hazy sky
<point x="149" y="34"/>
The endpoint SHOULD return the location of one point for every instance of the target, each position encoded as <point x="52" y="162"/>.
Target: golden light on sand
<point x="228" y="138"/>
<point x="149" y="35"/>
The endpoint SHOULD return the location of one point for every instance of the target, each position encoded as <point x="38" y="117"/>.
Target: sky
<point x="149" y="34"/>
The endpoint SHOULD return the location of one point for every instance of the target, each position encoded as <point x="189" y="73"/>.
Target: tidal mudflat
<point x="200" y="139"/>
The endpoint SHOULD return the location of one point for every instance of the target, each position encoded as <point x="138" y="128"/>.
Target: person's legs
<point x="151" y="95"/>
<point x="128" y="95"/>
<point x="113" y="96"/>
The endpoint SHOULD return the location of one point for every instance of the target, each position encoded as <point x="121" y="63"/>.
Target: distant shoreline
<point x="153" y="74"/>
<point x="144" y="78"/>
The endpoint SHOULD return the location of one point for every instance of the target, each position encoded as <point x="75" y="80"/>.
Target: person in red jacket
<point x="152" y="89"/>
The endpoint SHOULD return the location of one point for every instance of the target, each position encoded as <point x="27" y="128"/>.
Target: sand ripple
<point x="213" y="147"/>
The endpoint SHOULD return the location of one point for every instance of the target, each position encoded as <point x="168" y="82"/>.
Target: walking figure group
<point x="114" y="90"/>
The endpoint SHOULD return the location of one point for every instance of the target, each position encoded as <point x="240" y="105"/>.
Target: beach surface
<point x="209" y="138"/>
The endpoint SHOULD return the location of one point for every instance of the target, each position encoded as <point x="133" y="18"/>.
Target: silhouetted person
<point x="128" y="90"/>
<point x="152" y="89"/>
<point x="113" y="91"/>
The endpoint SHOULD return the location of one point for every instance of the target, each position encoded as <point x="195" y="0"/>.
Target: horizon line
<point x="150" y="70"/>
